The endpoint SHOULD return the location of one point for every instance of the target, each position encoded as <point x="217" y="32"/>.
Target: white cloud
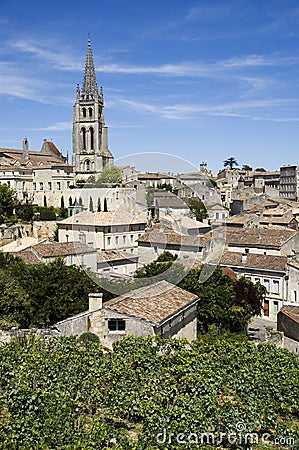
<point x="58" y="126"/>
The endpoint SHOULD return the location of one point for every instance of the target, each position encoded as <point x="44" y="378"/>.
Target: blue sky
<point x="200" y="80"/>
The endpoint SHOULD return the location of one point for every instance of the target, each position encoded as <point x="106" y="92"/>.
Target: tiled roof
<point x="106" y="218"/>
<point x="53" y="249"/>
<point x="291" y="311"/>
<point x="9" y="157"/>
<point x="36" y="253"/>
<point x="259" y="237"/>
<point x="254" y="260"/>
<point x="171" y="202"/>
<point x="284" y="220"/>
<point x="239" y="219"/>
<point x="28" y="257"/>
<point x="115" y="255"/>
<point x="157" y="236"/>
<point x="154" y="303"/>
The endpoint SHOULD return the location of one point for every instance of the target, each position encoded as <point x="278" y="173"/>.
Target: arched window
<point x="83" y="131"/>
<point x="91" y="131"/>
<point x="87" y="165"/>
<point x="84" y="112"/>
<point x="90" y="112"/>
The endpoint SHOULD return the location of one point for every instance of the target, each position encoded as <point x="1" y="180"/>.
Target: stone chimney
<point x="95" y="301"/>
<point x="25" y="148"/>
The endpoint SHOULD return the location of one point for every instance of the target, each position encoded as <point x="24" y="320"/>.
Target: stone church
<point x="90" y="134"/>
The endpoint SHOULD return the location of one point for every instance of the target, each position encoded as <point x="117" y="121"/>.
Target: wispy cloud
<point x="277" y="110"/>
<point x="197" y="69"/>
<point x="60" y="60"/>
<point x="58" y="126"/>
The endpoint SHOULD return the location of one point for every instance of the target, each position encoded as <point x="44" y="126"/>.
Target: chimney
<point x="25" y="148"/>
<point x="95" y="301"/>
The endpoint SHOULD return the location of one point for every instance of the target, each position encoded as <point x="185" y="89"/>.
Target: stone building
<point x="117" y="230"/>
<point x="36" y="176"/>
<point x="161" y="309"/>
<point x="90" y="133"/>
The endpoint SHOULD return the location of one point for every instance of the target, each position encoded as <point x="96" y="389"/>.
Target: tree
<point x="247" y="167"/>
<point x="62" y="202"/>
<point x="197" y="208"/>
<point x="260" y="169"/>
<point x="90" y="204"/>
<point x="230" y="162"/>
<point x="110" y="176"/>
<point x="99" y="205"/>
<point x="157" y="267"/>
<point x="105" y="205"/>
<point x="224" y="302"/>
<point x="8" y="203"/>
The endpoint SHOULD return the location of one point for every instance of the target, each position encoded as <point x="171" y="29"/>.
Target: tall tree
<point x="8" y="203"/>
<point x="90" y="204"/>
<point x="246" y="167"/>
<point x="109" y="176"/>
<point x="230" y="162"/>
<point x="197" y="208"/>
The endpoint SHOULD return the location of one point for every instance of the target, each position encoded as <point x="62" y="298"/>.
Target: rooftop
<point x="105" y="218"/>
<point x="258" y="237"/>
<point x="157" y="236"/>
<point x="254" y="260"/>
<point x="291" y="311"/>
<point x="155" y="303"/>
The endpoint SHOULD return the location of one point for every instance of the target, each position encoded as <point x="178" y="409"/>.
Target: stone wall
<point x="46" y="333"/>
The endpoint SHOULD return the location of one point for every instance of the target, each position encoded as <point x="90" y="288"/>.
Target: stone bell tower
<point x="90" y="134"/>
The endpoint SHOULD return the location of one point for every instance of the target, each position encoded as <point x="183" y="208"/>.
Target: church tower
<point x="90" y="134"/>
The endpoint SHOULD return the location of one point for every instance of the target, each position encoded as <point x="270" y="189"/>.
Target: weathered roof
<point x="36" y="253"/>
<point x="258" y="237"/>
<point x="284" y="220"/>
<point x="53" y="249"/>
<point x="254" y="260"/>
<point x="115" y="255"/>
<point x="157" y="236"/>
<point x="240" y="219"/>
<point x="105" y="218"/>
<point x="14" y="158"/>
<point x="28" y="257"/>
<point x="291" y="311"/>
<point x="171" y="202"/>
<point x="154" y="303"/>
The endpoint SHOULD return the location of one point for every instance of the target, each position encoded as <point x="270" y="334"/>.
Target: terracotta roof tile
<point x="53" y="249"/>
<point x="258" y="237"/>
<point x="106" y="218"/>
<point x="154" y="303"/>
<point x="157" y="236"/>
<point x="291" y="311"/>
<point x="254" y="260"/>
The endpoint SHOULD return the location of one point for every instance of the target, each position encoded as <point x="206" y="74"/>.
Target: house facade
<point x="117" y="230"/>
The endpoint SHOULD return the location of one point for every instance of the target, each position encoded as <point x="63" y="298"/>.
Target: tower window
<point x="84" y="112"/>
<point x="91" y="138"/>
<point x="83" y="138"/>
<point x="90" y="112"/>
<point x="87" y="165"/>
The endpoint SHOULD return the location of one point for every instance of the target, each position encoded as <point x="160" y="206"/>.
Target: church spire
<point x="90" y="86"/>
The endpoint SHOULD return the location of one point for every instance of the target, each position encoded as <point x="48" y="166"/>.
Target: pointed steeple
<point x="90" y="86"/>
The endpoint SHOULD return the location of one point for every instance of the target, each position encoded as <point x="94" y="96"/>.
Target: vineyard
<point x="71" y="394"/>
